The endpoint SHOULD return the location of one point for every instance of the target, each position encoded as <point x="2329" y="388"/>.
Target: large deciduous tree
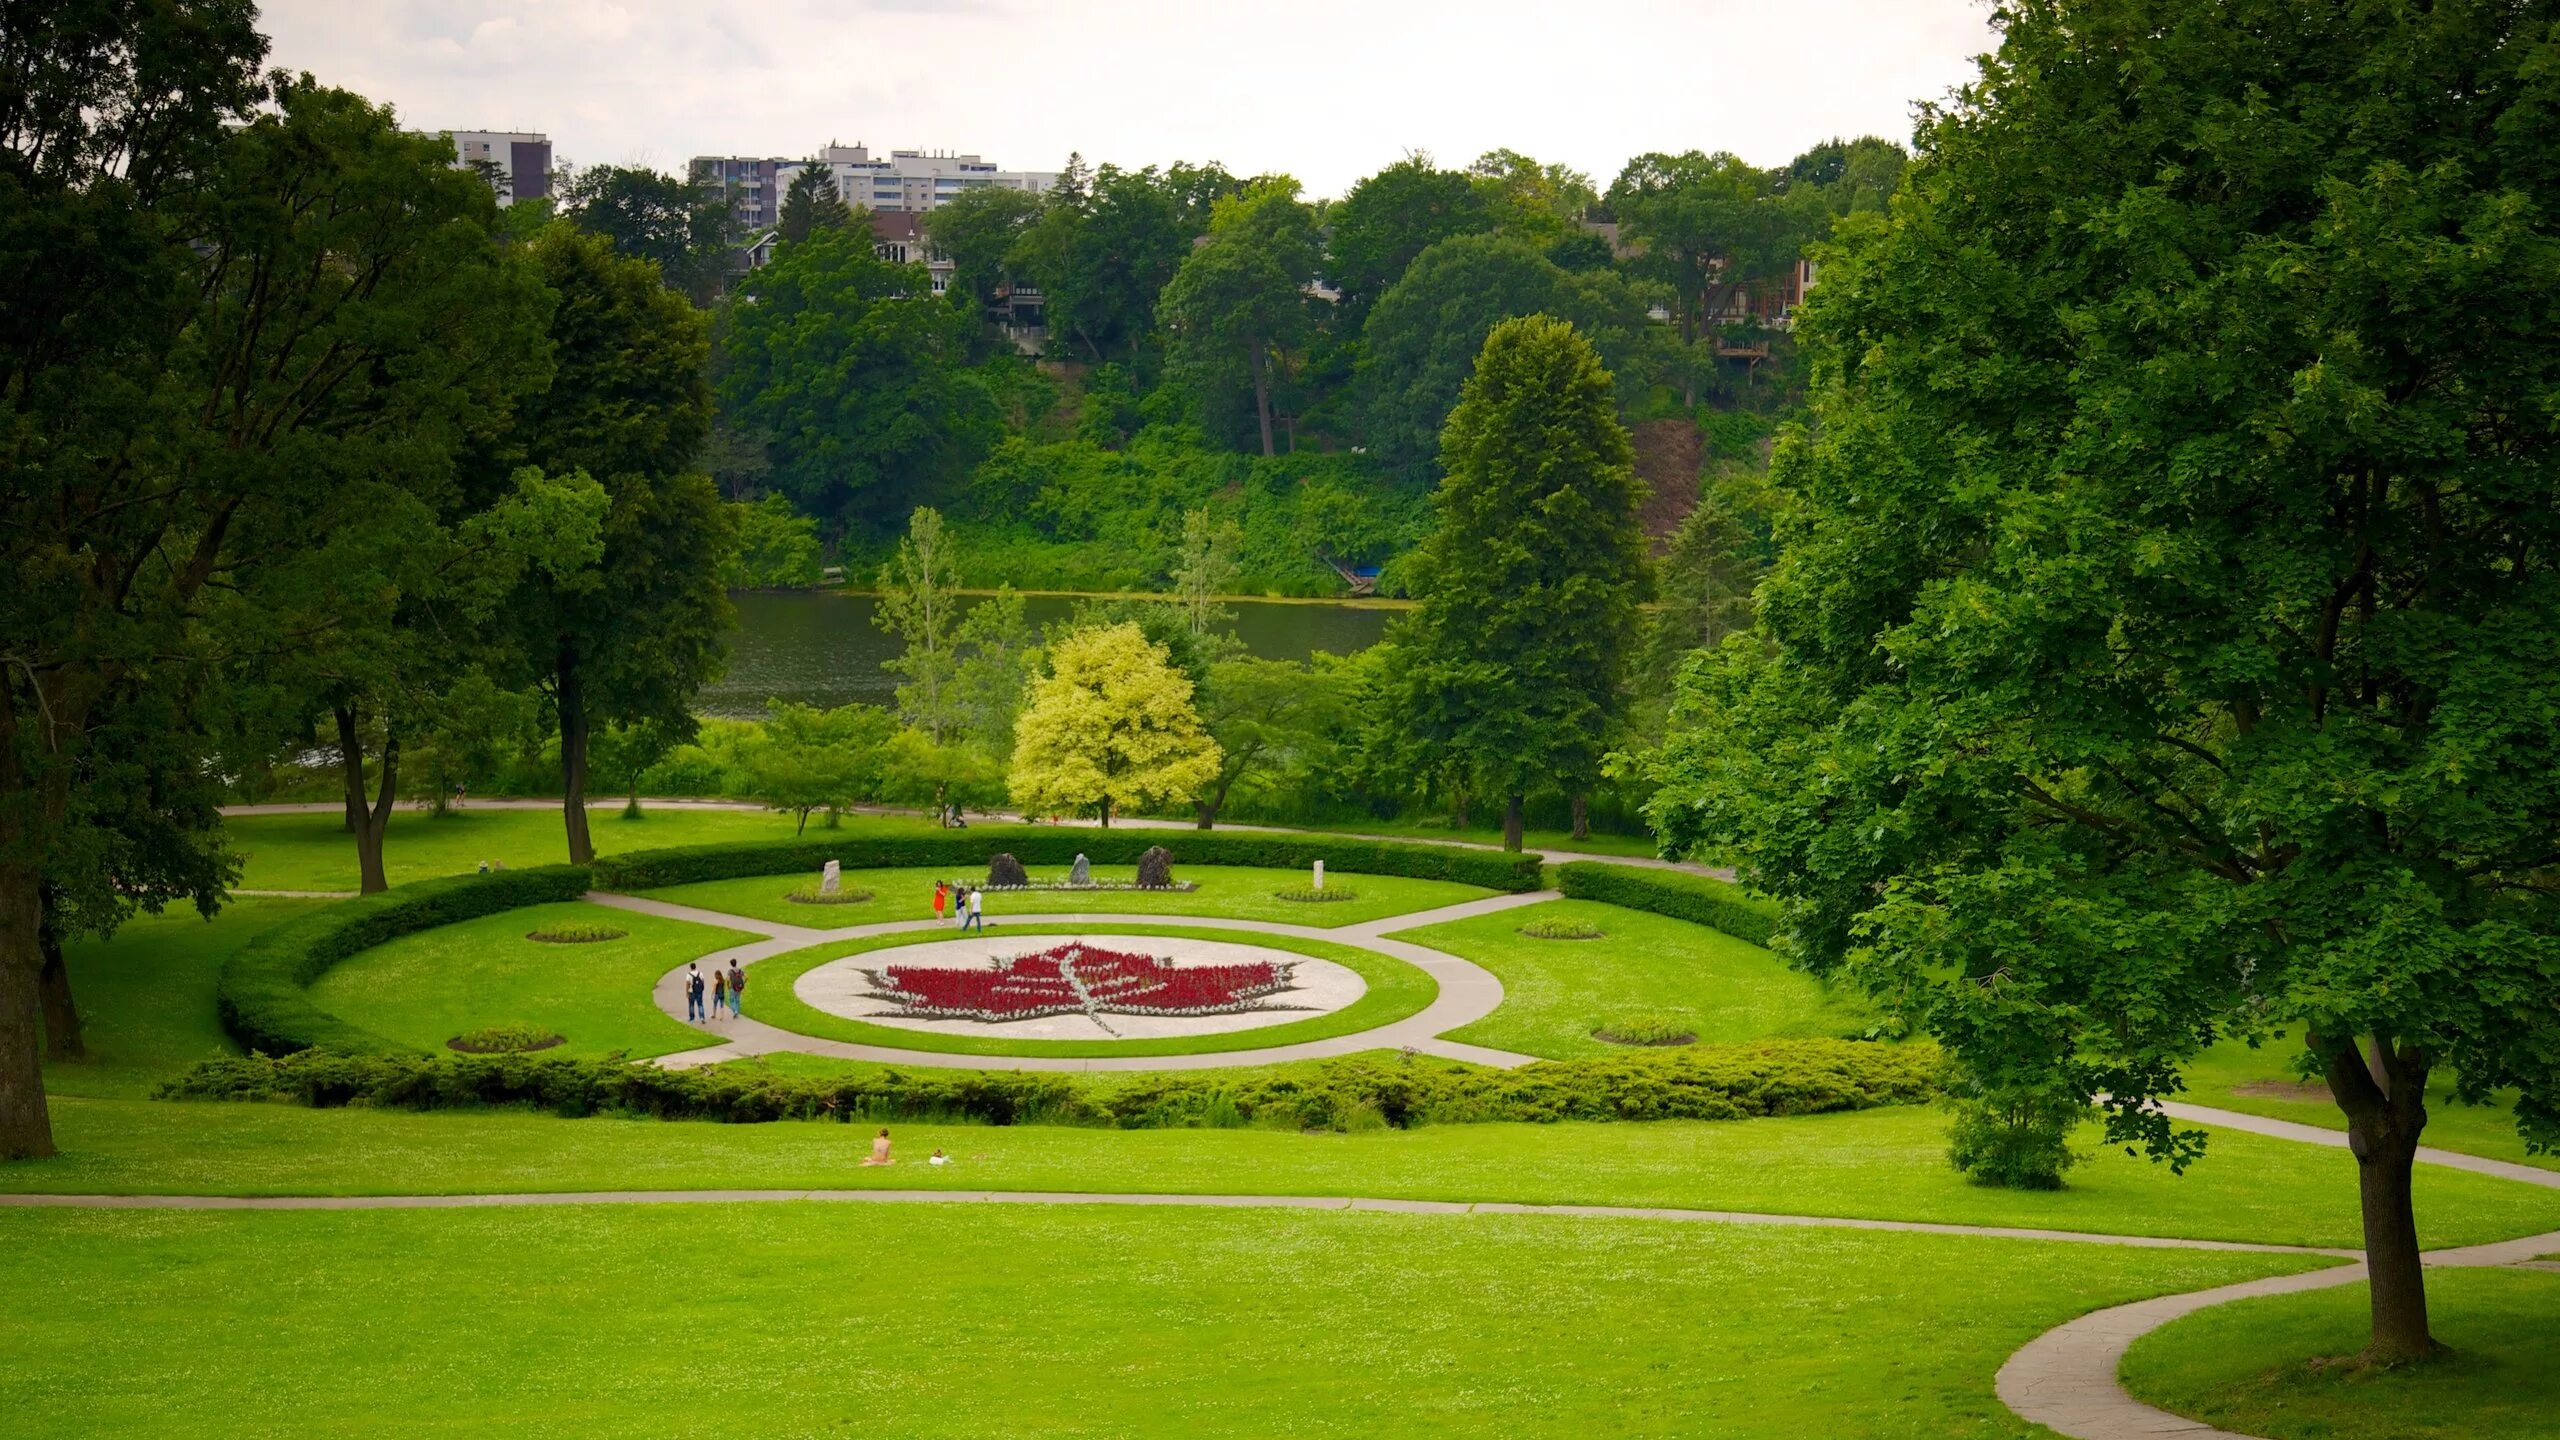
<point x="1239" y="301"/>
<point x="852" y="370"/>
<point x="680" y="225"/>
<point x="976" y="230"/>
<point x="631" y="638"/>
<point x="1515" y="664"/>
<point x="2163" y="636"/>
<point x="1110" y="726"/>
<point x="1391" y="217"/>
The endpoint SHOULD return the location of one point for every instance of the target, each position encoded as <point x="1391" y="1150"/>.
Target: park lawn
<point x="804" y="1318"/>
<point x="1395" y="990"/>
<point x="426" y="988"/>
<point x="2231" y="1076"/>
<point x="314" y="852"/>
<point x="1227" y="891"/>
<point x="2247" y="1366"/>
<point x="146" y="997"/>
<point x="1877" y="1164"/>
<point x="1556" y="992"/>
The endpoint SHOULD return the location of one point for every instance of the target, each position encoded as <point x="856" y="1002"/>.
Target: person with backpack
<point x="737" y="990"/>
<point x="693" y="992"/>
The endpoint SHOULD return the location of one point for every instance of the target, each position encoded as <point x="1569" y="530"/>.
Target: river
<point x="821" y="648"/>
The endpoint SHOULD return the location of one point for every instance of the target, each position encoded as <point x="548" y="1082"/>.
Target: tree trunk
<point x="1261" y="362"/>
<point x="1581" y="817"/>
<point x="1207" y="812"/>
<point x="26" y="803"/>
<point x="370" y="822"/>
<point x="1106" y="812"/>
<point x="1511" y="824"/>
<point x="573" y="760"/>
<point x="2385" y="1103"/>
<point x="62" y="1039"/>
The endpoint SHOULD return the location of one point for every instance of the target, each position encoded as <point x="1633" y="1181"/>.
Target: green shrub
<point x="1563" y="930"/>
<point x="1646" y="1029"/>
<point x="1716" y="1082"/>
<point x="2017" y="1140"/>
<point x="1310" y="895"/>
<point x="571" y="933"/>
<point x="504" y="1039"/>
<point x="810" y="894"/>
<point x="263" y="994"/>
<point x="966" y="850"/>
<point x="1703" y="899"/>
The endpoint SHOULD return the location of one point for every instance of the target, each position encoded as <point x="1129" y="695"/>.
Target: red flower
<point x="1077" y="979"/>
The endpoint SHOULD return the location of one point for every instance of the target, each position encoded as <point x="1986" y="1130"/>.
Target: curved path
<point x="2066" y="1378"/>
<point x="1467" y="991"/>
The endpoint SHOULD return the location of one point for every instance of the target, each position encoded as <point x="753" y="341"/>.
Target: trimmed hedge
<point x="1059" y="845"/>
<point x="264" y="993"/>
<point x="1719" y="1082"/>
<point x="1714" y="903"/>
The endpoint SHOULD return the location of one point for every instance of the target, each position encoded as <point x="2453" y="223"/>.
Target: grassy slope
<point x="1395" y="991"/>
<point x="801" y="1319"/>
<point x="1555" y="992"/>
<point x="426" y="988"/>
<point x="1883" y="1164"/>
<point x="146" y="997"/>
<point x="1245" y="894"/>
<point x="2246" y="1366"/>
<point x="2217" y="1077"/>
<point x="313" y="852"/>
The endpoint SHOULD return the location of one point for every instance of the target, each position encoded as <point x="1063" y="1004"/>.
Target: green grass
<point x="2246" y="1366"/>
<point x="426" y="988"/>
<point x="1395" y="991"/>
<point x="1229" y="891"/>
<point x="2222" y="1076"/>
<point x="146" y="997"/>
<point x="1877" y="1164"/>
<point x="1556" y="992"/>
<point x="314" y="852"/>
<point x="925" y="1321"/>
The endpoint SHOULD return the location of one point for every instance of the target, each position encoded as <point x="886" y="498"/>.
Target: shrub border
<point x="1699" y="899"/>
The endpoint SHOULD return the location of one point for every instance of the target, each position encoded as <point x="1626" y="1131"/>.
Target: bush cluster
<point x="502" y="1039"/>
<point x="1722" y="1082"/>
<point x="1310" y="895"/>
<point x="263" y="993"/>
<point x="574" y="934"/>
<point x="1676" y="893"/>
<point x="1649" y="1028"/>
<point x="810" y="894"/>
<point x="1054" y="845"/>
<point x="1563" y="930"/>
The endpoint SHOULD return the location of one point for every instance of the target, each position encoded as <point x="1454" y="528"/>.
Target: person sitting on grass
<point x="737" y="990"/>
<point x="879" y="1150"/>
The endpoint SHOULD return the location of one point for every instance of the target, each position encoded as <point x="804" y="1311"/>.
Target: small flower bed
<point x="504" y="1040"/>
<point x="1562" y="930"/>
<point x="1646" y="1029"/>
<point x="573" y="933"/>
<point x="810" y="894"/>
<point x="1075" y="978"/>
<point x="1310" y="895"/>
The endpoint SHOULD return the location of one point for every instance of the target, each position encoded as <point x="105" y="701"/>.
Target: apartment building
<point x="902" y="181"/>
<point x="517" y="163"/>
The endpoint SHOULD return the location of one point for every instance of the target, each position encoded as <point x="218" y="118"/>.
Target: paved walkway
<point x="2066" y="1377"/>
<point x="1467" y="991"/>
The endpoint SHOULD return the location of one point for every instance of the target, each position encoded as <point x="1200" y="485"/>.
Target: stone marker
<point x="1082" y="874"/>
<point x="830" y="878"/>
<point x="1155" y="869"/>
<point x="1004" y="870"/>
<point x="1319" y="874"/>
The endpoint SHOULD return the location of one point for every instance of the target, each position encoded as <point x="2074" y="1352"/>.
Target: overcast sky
<point x="1326" y="90"/>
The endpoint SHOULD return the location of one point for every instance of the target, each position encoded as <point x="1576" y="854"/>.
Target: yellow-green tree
<point x="1110" y="725"/>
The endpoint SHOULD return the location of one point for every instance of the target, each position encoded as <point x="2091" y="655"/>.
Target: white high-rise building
<point x="518" y="163"/>
<point x="903" y="181"/>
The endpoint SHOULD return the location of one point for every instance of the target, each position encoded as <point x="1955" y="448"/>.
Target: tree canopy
<point x="1389" y="218"/>
<point x="1109" y="726"/>
<point x="811" y="202"/>
<point x="680" y="225"/>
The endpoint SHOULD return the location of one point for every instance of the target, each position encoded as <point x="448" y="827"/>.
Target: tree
<point x="777" y="547"/>
<point x="680" y="226"/>
<point x="810" y="759"/>
<point x="1709" y="226"/>
<point x="1110" y="725"/>
<point x="1536" y="202"/>
<point x="976" y="230"/>
<point x="853" y="370"/>
<point x="2161" y="643"/>
<point x="999" y="653"/>
<point x="1391" y="217"/>
<point x="1240" y="300"/>
<point x="1852" y="177"/>
<point x="630" y="639"/>
<point x="1717" y="557"/>
<point x="1106" y="245"/>
<point x="1515" y="662"/>
<point x="919" y="602"/>
<point x="246" y="332"/>
<point x="811" y="203"/>
<point x="1262" y="713"/>
<point x="1424" y="336"/>
<point x="1206" y="567"/>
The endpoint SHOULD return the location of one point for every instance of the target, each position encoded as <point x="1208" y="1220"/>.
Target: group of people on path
<point x="967" y="904"/>
<point x="728" y="991"/>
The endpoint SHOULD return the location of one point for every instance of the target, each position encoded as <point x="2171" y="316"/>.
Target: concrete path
<point x="2066" y="1378"/>
<point x="1467" y="991"/>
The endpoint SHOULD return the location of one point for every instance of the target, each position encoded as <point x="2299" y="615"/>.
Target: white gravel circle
<point x="1317" y="987"/>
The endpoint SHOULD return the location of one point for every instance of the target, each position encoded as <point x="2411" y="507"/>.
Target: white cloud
<point x="1328" y="90"/>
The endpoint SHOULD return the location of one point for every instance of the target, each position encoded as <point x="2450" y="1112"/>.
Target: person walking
<point x="941" y="898"/>
<point x="977" y="912"/>
<point x="719" y="991"/>
<point x="737" y="990"/>
<point x="693" y="992"/>
<point x="960" y="906"/>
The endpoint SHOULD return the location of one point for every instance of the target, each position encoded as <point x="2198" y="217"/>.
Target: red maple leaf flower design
<point x="1075" y="978"/>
